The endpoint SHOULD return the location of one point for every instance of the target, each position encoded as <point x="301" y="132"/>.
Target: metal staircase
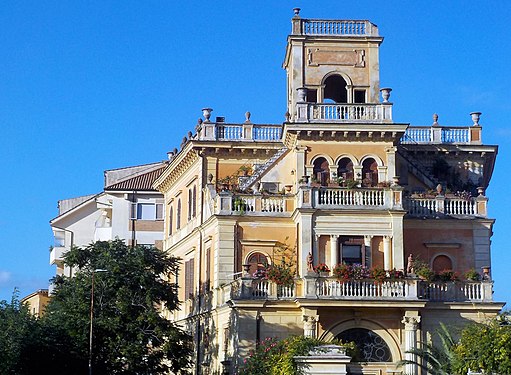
<point x="261" y="169"/>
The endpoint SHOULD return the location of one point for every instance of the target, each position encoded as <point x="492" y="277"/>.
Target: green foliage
<point x="485" y="347"/>
<point x="472" y="275"/>
<point x="281" y="273"/>
<point x="273" y="357"/>
<point x="130" y="335"/>
<point x="436" y="360"/>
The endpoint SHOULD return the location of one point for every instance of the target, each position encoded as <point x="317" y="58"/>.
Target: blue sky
<point x="89" y="86"/>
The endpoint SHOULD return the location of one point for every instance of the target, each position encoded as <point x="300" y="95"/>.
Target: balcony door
<point x="352" y="250"/>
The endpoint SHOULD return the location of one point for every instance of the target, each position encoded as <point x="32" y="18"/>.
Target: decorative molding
<point x="317" y="56"/>
<point x="439" y="245"/>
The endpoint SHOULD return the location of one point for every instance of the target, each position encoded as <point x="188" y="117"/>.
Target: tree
<point x="130" y="335"/>
<point x="436" y="360"/>
<point x="485" y="347"/>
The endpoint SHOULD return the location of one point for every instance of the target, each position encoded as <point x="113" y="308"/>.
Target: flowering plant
<point x="378" y="274"/>
<point x="281" y="274"/>
<point x="394" y="274"/>
<point x="260" y="273"/>
<point x="346" y="272"/>
<point x="322" y="267"/>
<point x="447" y="275"/>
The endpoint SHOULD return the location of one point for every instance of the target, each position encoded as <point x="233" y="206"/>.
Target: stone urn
<point x="385" y="94"/>
<point x="475" y="117"/>
<point x="206" y="112"/>
<point x="302" y="94"/>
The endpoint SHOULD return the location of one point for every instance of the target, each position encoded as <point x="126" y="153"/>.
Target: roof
<point x="143" y="181"/>
<point x="66" y="205"/>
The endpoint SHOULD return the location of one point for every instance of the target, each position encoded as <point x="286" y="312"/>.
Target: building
<point x="36" y="302"/>
<point x="128" y="208"/>
<point x="339" y="180"/>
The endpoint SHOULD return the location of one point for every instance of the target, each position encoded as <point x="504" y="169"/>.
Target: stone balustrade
<point x="358" y="290"/>
<point x="246" y="132"/>
<point x="345" y="28"/>
<point x="228" y="203"/>
<point x="441" y="134"/>
<point x="327" y="113"/>
<point x="442" y="206"/>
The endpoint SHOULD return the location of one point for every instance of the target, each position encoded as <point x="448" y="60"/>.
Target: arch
<point x="345" y="168"/>
<point x="442" y="262"/>
<point x="258" y="260"/>
<point x="335" y="89"/>
<point x="372" y="156"/>
<point x="388" y="336"/>
<point x="372" y="347"/>
<point x="353" y="159"/>
<point x="327" y="157"/>
<point x="369" y="172"/>
<point x="321" y="171"/>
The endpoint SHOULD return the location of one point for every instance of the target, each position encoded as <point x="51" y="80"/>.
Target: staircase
<point x="417" y="168"/>
<point x="261" y="169"/>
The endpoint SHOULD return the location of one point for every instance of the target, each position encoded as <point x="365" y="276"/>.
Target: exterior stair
<point x="261" y="169"/>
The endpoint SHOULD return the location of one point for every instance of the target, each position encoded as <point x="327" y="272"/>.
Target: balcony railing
<point x="321" y="112"/>
<point x="228" y="203"/>
<point x="343" y="198"/>
<point x="330" y="288"/>
<point x="348" y="28"/>
<point x="247" y="132"/>
<point x="440" y="134"/>
<point x="57" y="254"/>
<point x="440" y="206"/>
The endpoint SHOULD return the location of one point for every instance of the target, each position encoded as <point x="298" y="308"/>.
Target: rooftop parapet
<point x="344" y="28"/>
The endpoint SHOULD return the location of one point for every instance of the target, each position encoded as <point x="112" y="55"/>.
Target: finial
<point x="247" y="116"/>
<point x="475" y="117"/>
<point x="189" y="134"/>
<point x="287" y="115"/>
<point x="297" y="12"/>
<point x="206" y="112"/>
<point x="435" y="119"/>
<point x="174" y="151"/>
<point x="385" y="94"/>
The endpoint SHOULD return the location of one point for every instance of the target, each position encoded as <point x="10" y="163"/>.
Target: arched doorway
<point x="335" y="89"/>
<point x="369" y="172"/>
<point x="372" y="347"/>
<point x="321" y="171"/>
<point x="345" y="169"/>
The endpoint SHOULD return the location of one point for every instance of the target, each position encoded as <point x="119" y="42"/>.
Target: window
<point x="178" y="214"/>
<point x="189" y="204"/>
<point x="442" y="263"/>
<point x="360" y="96"/>
<point x="189" y="278"/>
<point x="194" y="202"/>
<point x="171" y="218"/>
<point x="371" y="346"/>
<point x="353" y="251"/>
<point x="258" y="262"/>
<point x="60" y="239"/>
<point x="147" y="211"/>
<point x="207" y="278"/>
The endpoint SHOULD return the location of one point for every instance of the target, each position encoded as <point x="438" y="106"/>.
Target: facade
<point x="36" y="302"/>
<point x="338" y="182"/>
<point x="128" y="208"/>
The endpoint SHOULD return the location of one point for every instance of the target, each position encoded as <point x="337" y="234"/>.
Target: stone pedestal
<point x="325" y="359"/>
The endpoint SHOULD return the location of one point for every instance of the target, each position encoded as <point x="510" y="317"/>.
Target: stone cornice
<point x="177" y="167"/>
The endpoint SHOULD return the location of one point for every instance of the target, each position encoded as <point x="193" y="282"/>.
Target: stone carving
<point x="309" y="326"/>
<point x="410" y="265"/>
<point x="310" y="262"/>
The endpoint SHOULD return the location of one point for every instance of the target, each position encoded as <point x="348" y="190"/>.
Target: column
<point x="411" y="322"/>
<point x="387" y="257"/>
<point x="315" y="248"/>
<point x="305" y="240"/>
<point x="309" y="326"/>
<point x="334" y="253"/>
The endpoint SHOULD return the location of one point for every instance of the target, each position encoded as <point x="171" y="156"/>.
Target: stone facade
<point x="339" y="180"/>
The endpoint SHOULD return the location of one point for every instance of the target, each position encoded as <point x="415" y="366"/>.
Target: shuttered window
<point x="189" y="278"/>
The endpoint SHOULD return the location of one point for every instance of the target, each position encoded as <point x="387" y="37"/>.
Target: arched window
<point x="257" y="261"/>
<point x="189" y="204"/>
<point x="171" y="218"/>
<point x="321" y="172"/>
<point x="441" y="263"/>
<point x="369" y="172"/>
<point x="335" y="89"/>
<point x="345" y="169"/>
<point x="194" y="201"/>
<point x="371" y="346"/>
<point x="178" y="214"/>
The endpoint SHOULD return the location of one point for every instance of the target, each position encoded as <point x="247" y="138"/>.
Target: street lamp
<point x="92" y="316"/>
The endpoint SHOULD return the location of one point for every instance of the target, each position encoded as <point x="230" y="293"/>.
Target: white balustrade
<point x="273" y="204"/>
<point x="436" y="134"/>
<point x="351" y="197"/>
<point x="441" y="206"/>
<point x="347" y="112"/>
<point x="456" y="291"/>
<point x="234" y="132"/>
<point x="460" y="207"/>
<point x="361" y="289"/>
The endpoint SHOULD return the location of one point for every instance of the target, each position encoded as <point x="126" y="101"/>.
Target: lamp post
<point x="92" y="316"/>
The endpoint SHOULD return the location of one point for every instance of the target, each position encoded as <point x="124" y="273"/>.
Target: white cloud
<point x="4" y="277"/>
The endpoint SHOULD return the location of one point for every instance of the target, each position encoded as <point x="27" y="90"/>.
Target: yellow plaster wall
<point x="336" y="149"/>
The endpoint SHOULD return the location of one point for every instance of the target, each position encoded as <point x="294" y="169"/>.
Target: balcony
<point x="341" y="28"/>
<point x="459" y="135"/>
<point x="246" y="132"/>
<point x="441" y="206"/>
<point x="228" y="203"/>
<point x="343" y="113"/>
<point x="57" y="254"/>
<point x="329" y="288"/>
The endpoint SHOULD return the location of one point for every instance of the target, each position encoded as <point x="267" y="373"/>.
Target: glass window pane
<point x="146" y="211"/>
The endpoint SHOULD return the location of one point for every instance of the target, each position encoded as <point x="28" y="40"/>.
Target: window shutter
<point x="133" y="211"/>
<point x="159" y="211"/>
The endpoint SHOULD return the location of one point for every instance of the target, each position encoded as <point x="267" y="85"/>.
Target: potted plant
<point x="423" y="271"/>
<point x="245" y="170"/>
<point x="394" y="274"/>
<point x="350" y="184"/>
<point x="472" y="275"/>
<point x="447" y="275"/>
<point x="343" y="272"/>
<point x="322" y="269"/>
